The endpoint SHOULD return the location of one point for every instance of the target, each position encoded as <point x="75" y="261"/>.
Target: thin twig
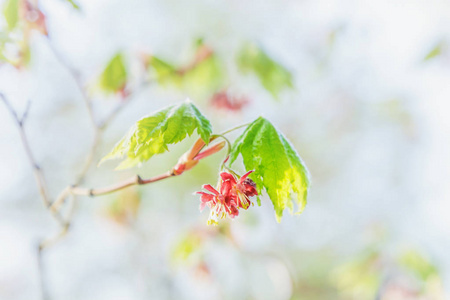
<point x="80" y="191"/>
<point x="99" y="126"/>
<point x="77" y="79"/>
<point x="52" y="240"/>
<point x="135" y="180"/>
<point x="38" y="173"/>
<point x="44" y="291"/>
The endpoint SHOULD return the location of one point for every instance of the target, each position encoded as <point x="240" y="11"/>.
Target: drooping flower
<point x="242" y="188"/>
<point x="220" y="203"/>
<point x="230" y="195"/>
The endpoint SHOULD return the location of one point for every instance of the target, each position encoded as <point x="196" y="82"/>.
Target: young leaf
<point x="187" y="248"/>
<point x="151" y="135"/>
<point x="273" y="76"/>
<point x="436" y="51"/>
<point x="418" y="264"/>
<point x="205" y="76"/>
<point x="11" y="13"/>
<point x="114" y="76"/>
<point x="74" y="4"/>
<point x="278" y="167"/>
<point x="165" y="73"/>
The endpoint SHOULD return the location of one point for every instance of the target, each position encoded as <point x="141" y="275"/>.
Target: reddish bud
<point x="191" y="158"/>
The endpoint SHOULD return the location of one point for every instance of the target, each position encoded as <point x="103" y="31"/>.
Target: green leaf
<point x="205" y="76"/>
<point x="114" y="76"/>
<point x="273" y="76"/>
<point x="278" y="167"/>
<point x="165" y="73"/>
<point x="418" y="264"/>
<point x="186" y="249"/>
<point x="11" y="13"/>
<point x="74" y="4"/>
<point x="437" y="50"/>
<point x="151" y="135"/>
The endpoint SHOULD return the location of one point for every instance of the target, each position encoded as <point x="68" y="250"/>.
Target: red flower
<point x="231" y="194"/>
<point x="242" y="189"/>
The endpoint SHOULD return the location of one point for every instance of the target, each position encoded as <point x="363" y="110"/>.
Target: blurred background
<point x="361" y="88"/>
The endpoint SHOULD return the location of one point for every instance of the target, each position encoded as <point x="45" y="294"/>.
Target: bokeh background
<point x="365" y="104"/>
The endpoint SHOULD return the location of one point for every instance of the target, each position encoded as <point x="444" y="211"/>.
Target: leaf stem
<point x="235" y="128"/>
<point x="227" y="156"/>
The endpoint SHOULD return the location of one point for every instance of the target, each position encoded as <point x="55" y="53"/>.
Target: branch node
<point x="139" y="179"/>
<point x="91" y="193"/>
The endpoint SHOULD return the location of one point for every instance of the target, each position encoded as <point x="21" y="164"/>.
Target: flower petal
<point x="205" y="197"/>
<point x="228" y="177"/>
<point x="202" y="206"/>
<point x="209" y="188"/>
<point x="245" y="176"/>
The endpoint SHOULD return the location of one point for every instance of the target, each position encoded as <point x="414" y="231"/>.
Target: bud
<point x="191" y="158"/>
<point x="210" y="151"/>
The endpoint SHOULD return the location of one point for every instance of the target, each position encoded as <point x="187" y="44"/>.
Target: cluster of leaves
<point x="278" y="169"/>
<point x="204" y="75"/>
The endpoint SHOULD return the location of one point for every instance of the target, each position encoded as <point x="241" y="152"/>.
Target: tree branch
<point x="80" y="191"/>
<point x="135" y="180"/>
